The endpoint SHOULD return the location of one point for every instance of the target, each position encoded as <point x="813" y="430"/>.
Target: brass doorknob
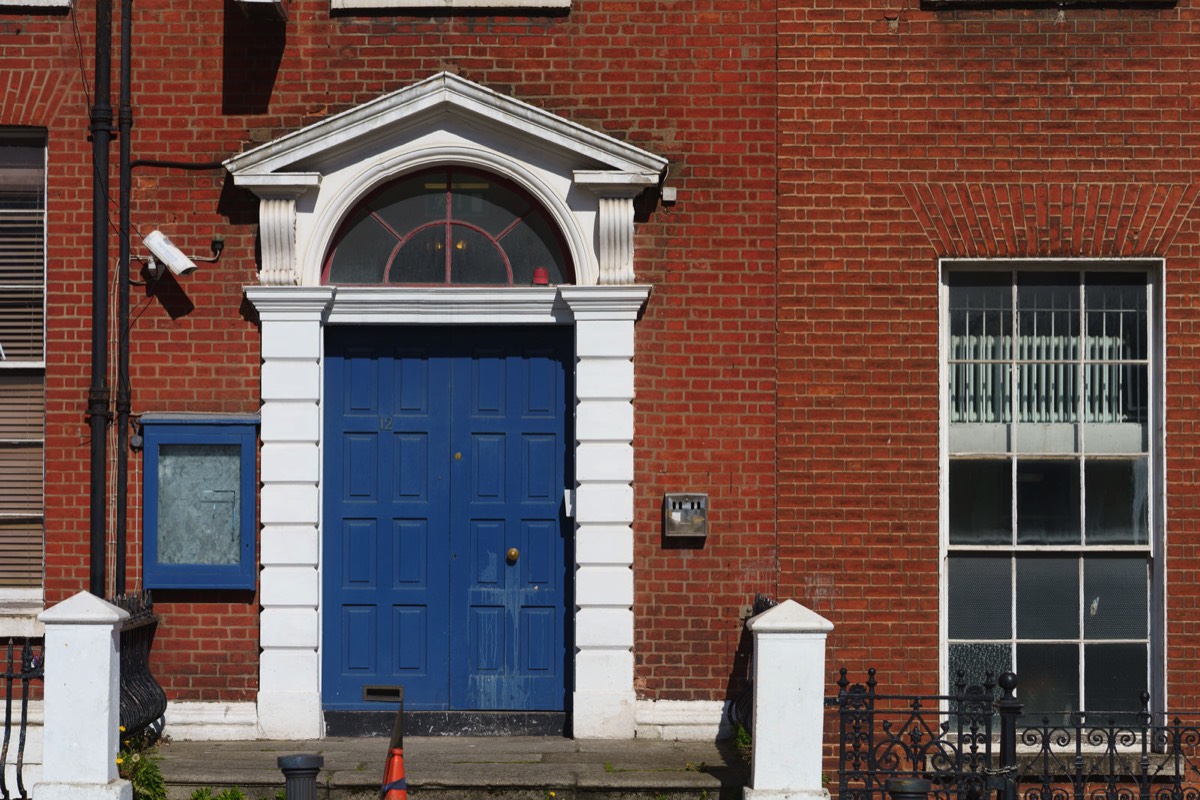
<point x="513" y="554"/>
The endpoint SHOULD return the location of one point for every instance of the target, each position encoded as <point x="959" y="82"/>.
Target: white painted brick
<point x="288" y="503"/>
<point x="604" y="461"/>
<point x="604" y="421"/>
<point x="291" y="462"/>
<point x="291" y="380"/>
<point x="291" y="339"/>
<point x="603" y="716"/>
<point x="604" y="338"/>
<point x="290" y="545"/>
<point x="290" y="715"/>
<point x="610" y="503"/>
<point x="288" y="627"/>
<point x="604" y="586"/>
<point x="290" y="422"/>
<point x="604" y="378"/>
<point x="289" y="586"/>
<point x="604" y="671"/>
<point x="604" y="627"/>
<point x="604" y="544"/>
<point x="289" y="671"/>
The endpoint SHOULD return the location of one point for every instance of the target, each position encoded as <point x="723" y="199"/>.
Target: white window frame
<point x="1157" y="606"/>
<point x="19" y="606"/>
<point x="36" y="4"/>
<point x="447" y="5"/>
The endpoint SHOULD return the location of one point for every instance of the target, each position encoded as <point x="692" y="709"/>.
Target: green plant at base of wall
<point x="138" y="763"/>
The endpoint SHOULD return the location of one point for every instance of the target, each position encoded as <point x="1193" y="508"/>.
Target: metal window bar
<point x="1047" y="380"/>
<point x="974" y="743"/>
<point x="23" y="666"/>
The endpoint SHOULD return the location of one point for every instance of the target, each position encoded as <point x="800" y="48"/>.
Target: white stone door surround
<point x="307" y="182"/>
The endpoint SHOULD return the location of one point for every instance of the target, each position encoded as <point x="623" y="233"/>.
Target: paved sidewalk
<point x="466" y="768"/>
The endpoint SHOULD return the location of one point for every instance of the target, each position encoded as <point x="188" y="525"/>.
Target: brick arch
<point x="1095" y="220"/>
<point x="33" y="97"/>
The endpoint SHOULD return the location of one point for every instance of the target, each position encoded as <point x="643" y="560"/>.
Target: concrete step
<point x="470" y="768"/>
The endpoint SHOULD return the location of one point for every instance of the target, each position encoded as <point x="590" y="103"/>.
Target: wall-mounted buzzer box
<point x="685" y="515"/>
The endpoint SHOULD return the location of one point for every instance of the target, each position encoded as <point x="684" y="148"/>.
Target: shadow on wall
<point x="739" y="691"/>
<point x="253" y="50"/>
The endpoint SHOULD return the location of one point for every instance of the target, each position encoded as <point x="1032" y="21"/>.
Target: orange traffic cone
<point x="394" y="785"/>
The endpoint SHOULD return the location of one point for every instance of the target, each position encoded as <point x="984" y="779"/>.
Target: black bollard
<point x="899" y="788"/>
<point x="300" y="775"/>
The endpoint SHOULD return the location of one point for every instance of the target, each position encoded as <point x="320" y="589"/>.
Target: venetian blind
<point x="22" y="357"/>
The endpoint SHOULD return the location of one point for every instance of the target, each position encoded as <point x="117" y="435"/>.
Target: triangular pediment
<point x="445" y="94"/>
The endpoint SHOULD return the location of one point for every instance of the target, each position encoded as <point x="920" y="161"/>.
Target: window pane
<point x="1048" y="502"/>
<point x="1116" y="393"/>
<point x="1114" y="596"/>
<point x="475" y="259"/>
<point x="422" y="259"/>
<point x="980" y="596"/>
<point x="199" y="504"/>
<point x="488" y="205"/>
<point x="1116" y="316"/>
<point x="362" y="254"/>
<point x="1115" y="676"/>
<point x="412" y="201"/>
<point x="977" y="659"/>
<point x="22" y="339"/>
<point x="980" y="502"/>
<point x="447" y="225"/>
<point x="1118" y="508"/>
<point x="1048" y="680"/>
<point x="980" y="332"/>
<point x="1048" y="336"/>
<point x="1047" y="309"/>
<point x="1047" y="598"/>
<point x="534" y="244"/>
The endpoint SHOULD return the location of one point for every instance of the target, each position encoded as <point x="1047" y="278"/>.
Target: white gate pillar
<point x="789" y="703"/>
<point x="81" y="733"/>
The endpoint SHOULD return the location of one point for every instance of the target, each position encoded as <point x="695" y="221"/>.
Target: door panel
<point x="452" y="454"/>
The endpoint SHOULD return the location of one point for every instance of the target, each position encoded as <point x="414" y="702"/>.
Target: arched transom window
<point x="448" y="225"/>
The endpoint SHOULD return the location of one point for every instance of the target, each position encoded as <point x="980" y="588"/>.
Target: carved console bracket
<point x="277" y="195"/>
<point x="615" y="192"/>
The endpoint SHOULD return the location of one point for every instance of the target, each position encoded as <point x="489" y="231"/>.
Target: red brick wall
<point x="908" y="135"/>
<point x="694" y="83"/>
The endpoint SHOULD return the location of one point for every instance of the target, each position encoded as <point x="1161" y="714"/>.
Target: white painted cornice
<point x="446" y="93"/>
<point x="308" y="181"/>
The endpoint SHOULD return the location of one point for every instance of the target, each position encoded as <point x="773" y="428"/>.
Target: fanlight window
<point x="448" y="226"/>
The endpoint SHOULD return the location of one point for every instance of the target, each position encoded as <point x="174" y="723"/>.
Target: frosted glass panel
<point x="198" y="503"/>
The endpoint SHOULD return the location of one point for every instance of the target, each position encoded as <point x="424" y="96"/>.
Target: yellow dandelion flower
<point x="120" y="760"/>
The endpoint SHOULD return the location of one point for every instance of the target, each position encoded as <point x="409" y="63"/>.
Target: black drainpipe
<point x="124" y="126"/>
<point x="98" y="393"/>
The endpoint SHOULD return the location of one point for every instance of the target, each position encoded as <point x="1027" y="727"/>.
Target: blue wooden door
<point x="446" y="552"/>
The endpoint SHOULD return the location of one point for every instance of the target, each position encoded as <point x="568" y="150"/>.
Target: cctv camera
<point x="169" y="254"/>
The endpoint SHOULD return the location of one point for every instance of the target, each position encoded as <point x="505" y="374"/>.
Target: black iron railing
<point x="976" y="743"/>
<point x="143" y="701"/>
<point x="24" y="664"/>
